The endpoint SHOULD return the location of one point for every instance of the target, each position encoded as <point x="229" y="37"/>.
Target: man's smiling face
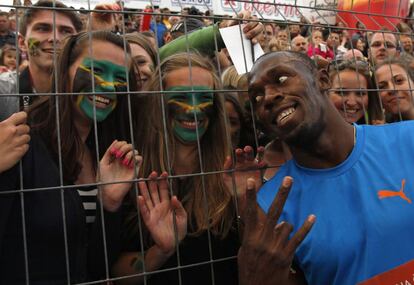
<point x="287" y="99"/>
<point x="44" y="35"/>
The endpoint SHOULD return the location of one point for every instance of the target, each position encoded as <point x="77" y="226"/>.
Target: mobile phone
<point x="322" y="47"/>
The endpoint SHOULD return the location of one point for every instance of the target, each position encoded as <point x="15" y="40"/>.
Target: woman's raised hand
<point x="246" y="165"/>
<point x="158" y="212"/>
<point x="117" y="170"/>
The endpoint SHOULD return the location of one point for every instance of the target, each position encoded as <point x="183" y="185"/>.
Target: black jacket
<point x="50" y="214"/>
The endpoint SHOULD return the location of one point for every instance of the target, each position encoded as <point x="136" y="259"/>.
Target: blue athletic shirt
<point x="356" y="235"/>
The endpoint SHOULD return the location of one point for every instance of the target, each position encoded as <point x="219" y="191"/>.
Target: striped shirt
<point x="88" y="196"/>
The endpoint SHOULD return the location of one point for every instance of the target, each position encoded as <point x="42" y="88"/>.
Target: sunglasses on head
<point x="339" y="65"/>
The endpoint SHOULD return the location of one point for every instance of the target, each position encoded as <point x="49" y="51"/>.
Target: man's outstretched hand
<point x="266" y="254"/>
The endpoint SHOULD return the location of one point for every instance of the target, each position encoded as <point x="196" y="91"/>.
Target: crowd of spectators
<point x="92" y="102"/>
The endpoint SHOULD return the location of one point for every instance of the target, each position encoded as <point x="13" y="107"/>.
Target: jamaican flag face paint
<point x="186" y="107"/>
<point x="34" y="46"/>
<point x="109" y="78"/>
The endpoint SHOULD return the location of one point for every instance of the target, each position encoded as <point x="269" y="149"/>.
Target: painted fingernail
<point x="118" y="154"/>
<point x="125" y="162"/>
<point x="113" y="151"/>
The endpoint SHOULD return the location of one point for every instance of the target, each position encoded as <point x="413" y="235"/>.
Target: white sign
<point x="203" y="4"/>
<point x="283" y="10"/>
<point x="141" y="4"/>
<point x="242" y="52"/>
<point x="314" y="14"/>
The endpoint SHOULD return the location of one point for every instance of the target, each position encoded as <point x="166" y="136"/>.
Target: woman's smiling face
<point x="143" y="61"/>
<point x="191" y="102"/>
<point x="106" y="66"/>
<point x="349" y="94"/>
<point x="395" y="88"/>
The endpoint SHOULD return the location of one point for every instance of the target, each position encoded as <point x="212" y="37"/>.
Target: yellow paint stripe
<point x="189" y="108"/>
<point x="102" y="81"/>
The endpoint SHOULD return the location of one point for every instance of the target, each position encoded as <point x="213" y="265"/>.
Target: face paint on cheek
<point x="85" y="104"/>
<point x="104" y="104"/>
<point x="34" y="46"/>
<point x="186" y="107"/>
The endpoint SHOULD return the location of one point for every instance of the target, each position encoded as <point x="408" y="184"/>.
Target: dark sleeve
<point x="8" y="181"/>
<point x="8" y="106"/>
<point x="121" y="233"/>
<point x="110" y="224"/>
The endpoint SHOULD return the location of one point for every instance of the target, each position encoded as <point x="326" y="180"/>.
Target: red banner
<point x="375" y="14"/>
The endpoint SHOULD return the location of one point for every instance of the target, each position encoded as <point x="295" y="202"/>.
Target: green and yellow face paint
<point x="190" y="111"/>
<point x="109" y="78"/>
<point x="33" y="46"/>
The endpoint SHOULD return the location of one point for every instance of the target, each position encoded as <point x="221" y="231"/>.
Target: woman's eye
<point x="399" y="80"/>
<point x="97" y="70"/>
<point x="282" y="79"/>
<point x="207" y="97"/>
<point x="141" y="62"/>
<point x="179" y="98"/>
<point x="381" y="85"/>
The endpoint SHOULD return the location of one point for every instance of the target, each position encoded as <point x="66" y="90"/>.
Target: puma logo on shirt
<point x="389" y="193"/>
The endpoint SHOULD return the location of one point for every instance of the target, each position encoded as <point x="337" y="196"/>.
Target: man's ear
<point x="323" y="80"/>
<point x="167" y="37"/>
<point x="21" y="42"/>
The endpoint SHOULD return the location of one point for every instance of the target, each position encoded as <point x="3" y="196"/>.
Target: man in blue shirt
<point x="348" y="216"/>
<point x="158" y="27"/>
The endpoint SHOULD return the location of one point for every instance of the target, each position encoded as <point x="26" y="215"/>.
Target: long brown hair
<point x="219" y="212"/>
<point x="144" y="42"/>
<point x="43" y="114"/>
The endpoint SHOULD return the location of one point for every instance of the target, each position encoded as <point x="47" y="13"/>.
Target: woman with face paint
<point x="77" y="154"/>
<point x="188" y="140"/>
<point x="395" y="81"/>
<point x="350" y="85"/>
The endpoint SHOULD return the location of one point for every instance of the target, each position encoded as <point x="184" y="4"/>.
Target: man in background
<point x="7" y="36"/>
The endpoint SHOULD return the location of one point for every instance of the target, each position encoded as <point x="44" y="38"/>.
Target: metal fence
<point x="31" y="219"/>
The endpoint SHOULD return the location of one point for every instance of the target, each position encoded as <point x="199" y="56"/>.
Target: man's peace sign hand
<point x="266" y="254"/>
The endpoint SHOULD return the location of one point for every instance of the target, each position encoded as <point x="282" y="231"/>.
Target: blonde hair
<point x="230" y="78"/>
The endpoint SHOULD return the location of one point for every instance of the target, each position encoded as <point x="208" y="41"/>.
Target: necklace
<point x="354" y="135"/>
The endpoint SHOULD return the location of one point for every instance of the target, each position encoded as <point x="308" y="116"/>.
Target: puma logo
<point x="388" y="193"/>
